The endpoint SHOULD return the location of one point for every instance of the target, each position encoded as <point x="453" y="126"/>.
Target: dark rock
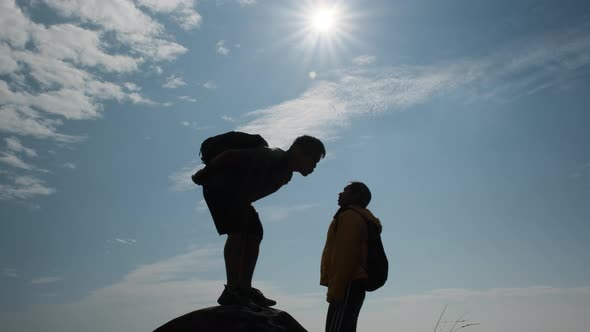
<point x="233" y="318"/>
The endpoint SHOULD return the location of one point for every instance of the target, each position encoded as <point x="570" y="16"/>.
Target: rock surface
<point x="233" y="318"/>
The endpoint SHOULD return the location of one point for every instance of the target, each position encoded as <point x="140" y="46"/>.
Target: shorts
<point x="232" y="214"/>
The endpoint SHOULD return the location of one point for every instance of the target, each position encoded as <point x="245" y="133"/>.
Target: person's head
<point x="306" y="151"/>
<point x="355" y="193"/>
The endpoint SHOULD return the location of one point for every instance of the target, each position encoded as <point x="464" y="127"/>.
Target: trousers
<point x="343" y="316"/>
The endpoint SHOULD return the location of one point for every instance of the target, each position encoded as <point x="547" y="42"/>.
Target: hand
<point x="198" y="178"/>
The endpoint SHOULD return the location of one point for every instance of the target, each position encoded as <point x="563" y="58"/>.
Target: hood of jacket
<point x="367" y="214"/>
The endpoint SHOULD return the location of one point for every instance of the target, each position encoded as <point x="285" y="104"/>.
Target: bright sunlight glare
<point x="324" y="20"/>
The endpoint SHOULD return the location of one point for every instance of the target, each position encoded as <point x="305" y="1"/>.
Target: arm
<point x="230" y="161"/>
<point x="345" y="254"/>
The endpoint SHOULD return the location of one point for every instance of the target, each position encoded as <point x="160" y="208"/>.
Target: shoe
<point x="259" y="299"/>
<point x="235" y="297"/>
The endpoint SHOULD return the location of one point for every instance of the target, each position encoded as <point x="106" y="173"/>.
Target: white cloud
<point x="158" y="292"/>
<point x="182" y="11"/>
<point x="227" y="118"/>
<point x="163" y="290"/>
<point x="134" y="29"/>
<point x="221" y="49"/>
<point x="69" y="165"/>
<point x="193" y="125"/>
<point x="24" y="187"/>
<point x="363" y="60"/>
<point x="54" y="73"/>
<point x="312" y="75"/>
<point x="82" y="46"/>
<point x="188" y="98"/>
<point x="132" y="86"/>
<point x="126" y="241"/>
<point x="9" y="272"/>
<point x="272" y="214"/>
<point x="136" y="98"/>
<point x="46" y="280"/>
<point x="14" y="161"/>
<point x="246" y="2"/>
<point x="15" y="27"/>
<point x="14" y="144"/>
<point x="181" y="180"/>
<point x="63" y="52"/>
<point x="210" y="85"/>
<point x="157" y="69"/>
<point x="330" y="105"/>
<point x="202" y="206"/>
<point x="8" y="63"/>
<point x="26" y="121"/>
<point x="173" y="82"/>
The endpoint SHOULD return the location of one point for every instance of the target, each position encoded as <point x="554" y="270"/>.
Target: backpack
<point x="215" y="145"/>
<point x="377" y="263"/>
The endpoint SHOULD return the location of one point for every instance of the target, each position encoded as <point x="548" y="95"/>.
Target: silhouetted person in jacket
<point x="344" y="259"/>
<point x="234" y="180"/>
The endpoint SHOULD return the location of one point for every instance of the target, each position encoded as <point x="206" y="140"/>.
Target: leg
<point x="253" y="233"/>
<point x="250" y="259"/>
<point x="234" y="253"/>
<point x="343" y="317"/>
<point x="253" y="236"/>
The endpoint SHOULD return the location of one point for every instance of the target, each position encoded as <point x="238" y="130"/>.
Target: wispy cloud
<point x="9" y="272"/>
<point x="221" y="49"/>
<point x="331" y="104"/>
<point x="14" y="144"/>
<point x="158" y="291"/>
<point x="181" y="11"/>
<point x="14" y="161"/>
<point x="126" y="241"/>
<point x="181" y="180"/>
<point x="193" y="125"/>
<point x="363" y="60"/>
<point x="69" y="165"/>
<point x="173" y="82"/>
<point x="227" y="118"/>
<point x="46" y="280"/>
<point x="272" y="214"/>
<point x="132" y="86"/>
<point x="24" y="187"/>
<point x="188" y="98"/>
<point x="246" y="2"/>
<point x="163" y="290"/>
<point x="202" y="205"/>
<point x="210" y="85"/>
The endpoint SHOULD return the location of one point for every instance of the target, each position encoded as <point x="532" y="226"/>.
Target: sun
<point x="321" y="30"/>
<point x="324" y="20"/>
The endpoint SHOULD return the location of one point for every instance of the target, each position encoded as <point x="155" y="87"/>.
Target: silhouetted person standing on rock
<point x="231" y="182"/>
<point x="344" y="259"/>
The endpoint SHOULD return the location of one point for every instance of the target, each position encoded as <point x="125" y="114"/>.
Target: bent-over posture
<point x="231" y="182"/>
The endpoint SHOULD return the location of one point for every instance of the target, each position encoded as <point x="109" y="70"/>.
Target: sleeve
<point x="345" y="254"/>
<point x="326" y="257"/>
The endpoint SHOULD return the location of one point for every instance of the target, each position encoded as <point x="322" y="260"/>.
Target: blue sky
<point x="467" y="119"/>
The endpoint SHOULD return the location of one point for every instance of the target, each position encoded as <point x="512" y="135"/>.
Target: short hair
<point x="311" y="144"/>
<point x="362" y="192"/>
